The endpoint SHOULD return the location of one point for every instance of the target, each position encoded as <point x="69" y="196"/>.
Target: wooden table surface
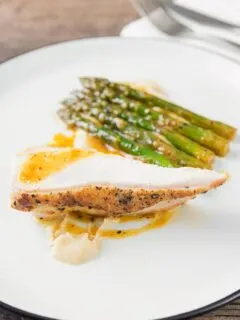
<point x="30" y="24"/>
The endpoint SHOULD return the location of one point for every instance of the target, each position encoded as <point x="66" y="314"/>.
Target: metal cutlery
<point x="209" y="25"/>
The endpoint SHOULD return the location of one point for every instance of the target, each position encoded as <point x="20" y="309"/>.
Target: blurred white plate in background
<point x="225" y="10"/>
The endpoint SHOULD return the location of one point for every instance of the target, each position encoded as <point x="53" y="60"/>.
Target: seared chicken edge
<point x="104" y="200"/>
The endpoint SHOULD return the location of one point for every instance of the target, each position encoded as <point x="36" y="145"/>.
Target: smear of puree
<point x="41" y="165"/>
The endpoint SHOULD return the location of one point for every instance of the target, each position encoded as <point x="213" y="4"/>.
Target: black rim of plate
<point x="186" y="315"/>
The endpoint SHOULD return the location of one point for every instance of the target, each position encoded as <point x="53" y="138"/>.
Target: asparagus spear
<point x="204" y="137"/>
<point x="112" y="138"/>
<point x="173" y="137"/>
<point x="147" y="138"/>
<point x="100" y="107"/>
<point x="218" y="127"/>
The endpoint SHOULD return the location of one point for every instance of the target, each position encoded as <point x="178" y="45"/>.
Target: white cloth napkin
<point x="215" y="8"/>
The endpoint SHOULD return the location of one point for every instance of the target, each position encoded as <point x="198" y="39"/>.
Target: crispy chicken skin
<point x="103" y="200"/>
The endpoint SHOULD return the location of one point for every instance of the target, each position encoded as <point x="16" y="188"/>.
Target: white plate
<point x="188" y="264"/>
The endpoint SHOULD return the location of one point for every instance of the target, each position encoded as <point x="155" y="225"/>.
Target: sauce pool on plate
<point x="77" y="224"/>
<point x="42" y="164"/>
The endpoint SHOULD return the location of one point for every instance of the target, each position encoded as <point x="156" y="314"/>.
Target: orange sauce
<point x="155" y="220"/>
<point x="54" y="224"/>
<point x="98" y="145"/>
<point x="158" y="221"/>
<point x="42" y="164"/>
<point x="75" y="229"/>
<point x="61" y="140"/>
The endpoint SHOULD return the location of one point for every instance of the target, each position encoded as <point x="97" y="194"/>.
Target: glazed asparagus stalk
<point x="145" y="138"/>
<point x="100" y="108"/>
<point x="163" y="119"/>
<point x="218" y="127"/>
<point x="204" y="137"/>
<point x="114" y="139"/>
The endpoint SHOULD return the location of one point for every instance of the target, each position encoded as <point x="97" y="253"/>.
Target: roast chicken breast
<point x="54" y="180"/>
